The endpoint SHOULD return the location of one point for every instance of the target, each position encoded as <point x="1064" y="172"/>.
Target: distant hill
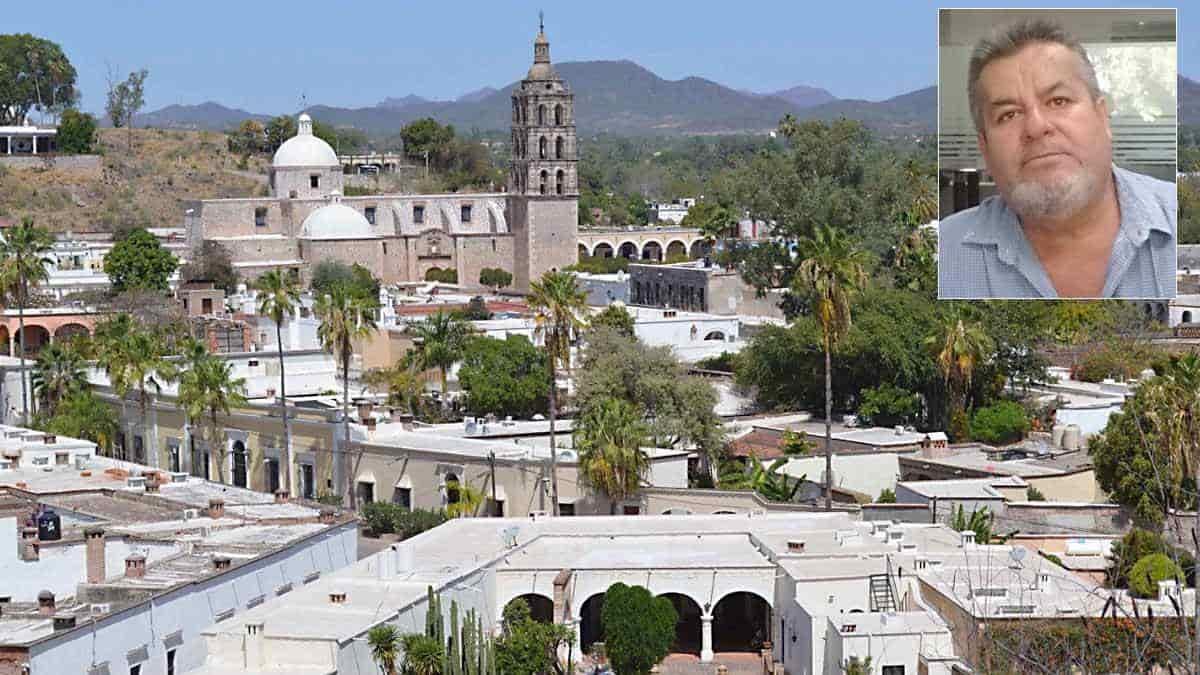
<point x="618" y="97"/>
<point x="803" y="96"/>
<point x="209" y="116"/>
<point x="1189" y="101"/>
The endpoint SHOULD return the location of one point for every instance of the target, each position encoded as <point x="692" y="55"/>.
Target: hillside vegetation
<point x="142" y="188"/>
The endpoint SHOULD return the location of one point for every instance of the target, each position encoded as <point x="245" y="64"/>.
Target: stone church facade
<point x="527" y="230"/>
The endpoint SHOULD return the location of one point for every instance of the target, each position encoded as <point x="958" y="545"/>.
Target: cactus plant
<point x="454" y="649"/>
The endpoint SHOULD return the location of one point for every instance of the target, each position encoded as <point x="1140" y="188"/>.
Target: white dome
<point x="336" y="221"/>
<point x="305" y="149"/>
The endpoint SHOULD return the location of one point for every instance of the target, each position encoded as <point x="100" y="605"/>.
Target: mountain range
<point x="622" y="97"/>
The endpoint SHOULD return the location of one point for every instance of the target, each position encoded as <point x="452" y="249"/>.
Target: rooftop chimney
<point x="46" y="603"/>
<point x="29" y="543"/>
<point x="328" y="516"/>
<point x="135" y="566"/>
<point x="337" y="597"/>
<point x="795" y="545"/>
<point x="966" y="538"/>
<point x="93" y="538"/>
<point x="216" y="508"/>
<point x="221" y="562"/>
<point x="282" y="496"/>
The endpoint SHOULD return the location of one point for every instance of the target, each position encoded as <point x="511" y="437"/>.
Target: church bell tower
<point x="543" y="181"/>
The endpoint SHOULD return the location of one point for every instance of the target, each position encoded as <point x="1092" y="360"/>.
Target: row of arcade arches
<point x="651" y="250"/>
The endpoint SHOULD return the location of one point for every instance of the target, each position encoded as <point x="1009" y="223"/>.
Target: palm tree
<point x="831" y="270"/>
<point x="401" y="381"/>
<point x="149" y="369"/>
<point x="58" y="371"/>
<point x="345" y="317"/>
<point x="278" y="297"/>
<point x="208" y="388"/>
<point x="384" y="641"/>
<point x="609" y="437"/>
<point x="442" y="337"/>
<point x="560" y="306"/>
<point x="423" y="655"/>
<point x="110" y="346"/>
<point x="462" y="499"/>
<point x="959" y="347"/>
<point x="23" y="260"/>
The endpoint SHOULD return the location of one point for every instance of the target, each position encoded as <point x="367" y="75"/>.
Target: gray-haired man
<point x="1066" y="222"/>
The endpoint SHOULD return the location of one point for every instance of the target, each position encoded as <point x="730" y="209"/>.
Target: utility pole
<point x="426" y="153"/>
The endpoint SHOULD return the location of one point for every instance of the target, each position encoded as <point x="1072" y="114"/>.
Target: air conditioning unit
<point x="136" y="481"/>
<point x="179" y="476"/>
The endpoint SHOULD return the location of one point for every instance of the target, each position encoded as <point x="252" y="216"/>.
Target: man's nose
<point x="1036" y="123"/>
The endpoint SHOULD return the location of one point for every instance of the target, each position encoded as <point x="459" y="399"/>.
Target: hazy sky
<point x="263" y="55"/>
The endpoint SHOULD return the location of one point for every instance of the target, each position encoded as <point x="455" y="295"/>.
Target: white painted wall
<point x="189" y="609"/>
<point x="669" y="472"/>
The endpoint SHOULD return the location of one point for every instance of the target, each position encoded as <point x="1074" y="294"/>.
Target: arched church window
<point x="543" y="183"/>
<point x="542" y="147"/>
<point x="558" y="147"/>
<point x="558" y="182"/>
<point x="558" y="114"/>
<point x="541" y="115"/>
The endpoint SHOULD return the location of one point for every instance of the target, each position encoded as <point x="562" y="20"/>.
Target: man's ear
<point x="1102" y="110"/>
<point x="981" y="139"/>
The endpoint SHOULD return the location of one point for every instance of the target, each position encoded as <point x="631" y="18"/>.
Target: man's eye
<point x="1059" y="101"/>
<point x="1006" y="116"/>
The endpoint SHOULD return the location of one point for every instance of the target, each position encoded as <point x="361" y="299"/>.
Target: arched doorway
<point x="628" y="250"/>
<point x="583" y="253"/>
<point x="602" y="250"/>
<point x="69" y="331"/>
<point x="676" y="249"/>
<point x="541" y="608"/>
<point x="1187" y="317"/>
<point x="715" y="335"/>
<point x="687" y="626"/>
<point x="239" y="464"/>
<point x="698" y="249"/>
<point x="741" y="623"/>
<point x="590" y="628"/>
<point x="35" y="338"/>
<point x="652" y="251"/>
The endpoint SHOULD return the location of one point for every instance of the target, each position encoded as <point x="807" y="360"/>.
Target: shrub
<point x="888" y="406"/>
<point x="380" y="517"/>
<point x="494" y="277"/>
<point x="1034" y="495"/>
<point x="638" y="628"/>
<point x="1145" y="575"/>
<point x="442" y="276"/>
<point x="411" y="523"/>
<point x="1120" y="360"/>
<point x="1001" y="422"/>
<point x="1138" y="544"/>
<point x="723" y="362"/>
<point x="76" y="133"/>
<point x="887" y="496"/>
<point x="596" y="265"/>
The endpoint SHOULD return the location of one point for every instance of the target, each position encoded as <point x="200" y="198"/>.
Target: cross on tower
<point x="541" y="22"/>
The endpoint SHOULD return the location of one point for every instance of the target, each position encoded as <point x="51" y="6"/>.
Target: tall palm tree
<point x="209" y="389"/>
<point x="831" y="271"/>
<point x="148" y="370"/>
<point x="384" y="641"/>
<point x="278" y="297"/>
<point x="345" y="317"/>
<point x="959" y="347"/>
<point x="560" y="306"/>
<point x="442" y="336"/>
<point x="58" y="371"/>
<point x="110" y="347"/>
<point x="609" y="438"/>
<point x="23" y="260"/>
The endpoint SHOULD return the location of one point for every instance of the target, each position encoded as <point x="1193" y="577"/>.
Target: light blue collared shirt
<point x="983" y="252"/>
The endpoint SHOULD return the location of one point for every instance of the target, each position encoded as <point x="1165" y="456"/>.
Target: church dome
<point x="335" y="220"/>
<point x="305" y="149"/>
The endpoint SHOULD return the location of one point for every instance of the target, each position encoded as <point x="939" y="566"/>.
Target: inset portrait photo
<point x="1057" y="135"/>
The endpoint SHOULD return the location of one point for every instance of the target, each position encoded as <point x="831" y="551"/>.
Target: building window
<point x="893" y="670"/>
<point x="542" y="184"/>
<point x="206" y="306"/>
<point x="558" y="147"/>
<point x="307" y="484"/>
<point x="566" y="509"/>
<point x="366" y="492"/>
<point x="466" y="213"/>
<point x="558" y="182"/>
<point x="402" y="497"/>
<point x="495" y="509"/>
<point x="385" y="248"/>
<point x="541" y="115"/>
<point x="418" y="214"/>
<point x="369" y="212"/>
<point x="171" y="662"/>
<point x="558" y="114"/>
<point x="542" y="148"/>
<point x="631" y="509"/>
<point x="314" y="181"/>
<point x="260" y="217"/>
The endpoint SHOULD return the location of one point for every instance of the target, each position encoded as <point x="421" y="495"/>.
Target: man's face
<point x="1046" y="142"/>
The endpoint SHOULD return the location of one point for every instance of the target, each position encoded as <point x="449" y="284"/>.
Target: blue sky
<point x="263" y="55"/>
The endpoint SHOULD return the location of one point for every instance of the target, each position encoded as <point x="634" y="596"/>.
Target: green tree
<point x="384" y="642"/>
<point x="76" y="133"/>
<point x="914" y="262"/>
<point x="81" y="414"/>
<point x="831" y="272"/>
<point x="1000" y="423"/>
<point x="888" y="405"/>
<point x="714" y="221"/>
<point x="1147" y="572"/>
<point x="440" y="341"/>
<point x="476" y="310"/>
<point x="495" y="278"/>
<point x="886" y="496"/>
<point x="426" y="136"/>
<point x="125" y="99"/>
<point x="609" y="436"/>
<point x="402" y="382"/>
<point x="959" y="348"/>
<point x="208" y="389"/>
<point x="35" y="74"/>
<point x="211" y="261"/>
<point x="249" y="137"/>
<point x="529" y="646"/>
<point x="423" y="654"/>
<point x="147" y="370"/>
<point x="24" y="254"/>
<point x="278" y="295"/>
<point x="110" y="347"/>
<point x="345" y="318"/>
<point x="559" y="307"/>
<point x="978" y="521"/>
<point x="638" y="628"/>
<point x="504" y="377"/>
<point x="140" y="261"/>
<point x="769" y="481"/>
<point x="616" y="317"/>
<point x="856" y="666"/>
<point x="278" y="129"/>
<point x="355" y="279"/>
<point x="58" y="371"/>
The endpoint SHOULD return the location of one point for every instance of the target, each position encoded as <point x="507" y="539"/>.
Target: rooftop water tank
<point x="49" y="526"/>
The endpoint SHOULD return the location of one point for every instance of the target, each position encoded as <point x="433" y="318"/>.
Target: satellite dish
<point x="1017" y="553"/>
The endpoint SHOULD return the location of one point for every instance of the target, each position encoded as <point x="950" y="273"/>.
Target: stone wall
<point x="475" y="253"/>
<point x="67" y="162"/>
<point x="365" y="252"/>
<point x="295" y="182"/>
